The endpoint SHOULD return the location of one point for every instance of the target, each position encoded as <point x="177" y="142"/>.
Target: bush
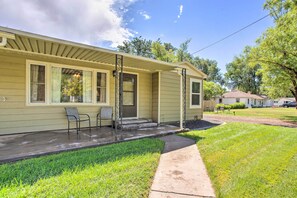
<point x="238" y="105"/>
<point x="226" y="107"/>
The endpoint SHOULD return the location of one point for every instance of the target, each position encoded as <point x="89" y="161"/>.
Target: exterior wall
<point x="170" y="99"/>
<point x="16" y="116"/>
<point x="155" y="89"/>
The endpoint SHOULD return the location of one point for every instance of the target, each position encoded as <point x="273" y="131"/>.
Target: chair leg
<point x="89" y="125"/>
<point x="77" y="127"/>
<point x="100" y="122"/>
<point x="68" y="126"/>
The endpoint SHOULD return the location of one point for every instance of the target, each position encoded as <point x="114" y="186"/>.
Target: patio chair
<point x="73" y="116"/>
<point x="104" y="114"/>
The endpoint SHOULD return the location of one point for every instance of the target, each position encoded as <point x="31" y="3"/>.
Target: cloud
<point x="180" y="11"/>
<point x="145" y="15"/>
<point x="88" y="21"/>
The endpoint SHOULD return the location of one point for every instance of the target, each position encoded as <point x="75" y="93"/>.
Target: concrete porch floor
<point x="21" y="146"/>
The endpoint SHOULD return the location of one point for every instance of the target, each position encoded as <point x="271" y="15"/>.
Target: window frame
<point x="48" y="84"/>
<point x="191" y="93"/>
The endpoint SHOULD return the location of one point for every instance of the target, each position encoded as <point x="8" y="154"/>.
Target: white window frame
<point x="48" y="84"/>
<point x="200" y="94"/>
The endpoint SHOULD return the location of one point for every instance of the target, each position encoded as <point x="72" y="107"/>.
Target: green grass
<point x="286" y="114"/>
<point x="118" y="170"/>
<point x="250" y="160"/>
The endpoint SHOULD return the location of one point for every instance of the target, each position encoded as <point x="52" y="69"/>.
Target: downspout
<point x="181" y="102"/>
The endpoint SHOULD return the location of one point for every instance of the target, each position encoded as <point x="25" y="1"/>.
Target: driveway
<point x="230" y="118"/>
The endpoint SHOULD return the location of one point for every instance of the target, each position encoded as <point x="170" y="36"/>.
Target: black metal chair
<point x="104" y="114"/>
<point x="73" y="116"/>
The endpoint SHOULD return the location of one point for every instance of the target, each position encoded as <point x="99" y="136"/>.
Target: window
<point x="50" y="83"/>
<point x="220" y="100"/>
<point x="71" y="85"/>
<point x="101" y="87"/>
<point x="237" y="99"/>
<point x="195" y="93"/>
<point x="37" y="83"/>
<point x="248" y="101"/>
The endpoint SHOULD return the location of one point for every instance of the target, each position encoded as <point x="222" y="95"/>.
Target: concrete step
<point x="136" y="121"/>
<point x="139" y="125"/>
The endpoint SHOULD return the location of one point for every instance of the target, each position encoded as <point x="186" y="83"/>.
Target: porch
<point x="27" y="145"/>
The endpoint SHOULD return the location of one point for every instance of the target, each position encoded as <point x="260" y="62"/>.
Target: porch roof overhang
<point x="26" y="42"/>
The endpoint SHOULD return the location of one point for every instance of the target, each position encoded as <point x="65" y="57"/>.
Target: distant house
<point x="281" y="101"/>
<point x="250" y="100"/>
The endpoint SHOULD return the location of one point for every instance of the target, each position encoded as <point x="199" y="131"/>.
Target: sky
<point x="107" y="23"/>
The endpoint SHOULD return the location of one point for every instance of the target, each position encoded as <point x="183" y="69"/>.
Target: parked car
<point x="290" y="104"/>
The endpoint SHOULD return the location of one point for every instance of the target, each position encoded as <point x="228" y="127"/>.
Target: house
<point x="41" y="75"/>
<point x="281" y="101"/>
<point x="250" y="100"/>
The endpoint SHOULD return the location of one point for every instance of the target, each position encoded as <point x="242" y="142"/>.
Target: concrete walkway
<point x="181" y="172"/>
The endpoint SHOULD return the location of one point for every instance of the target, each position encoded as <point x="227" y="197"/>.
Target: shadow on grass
<point x="292" y="119"/>
<point x="31" y="170"/>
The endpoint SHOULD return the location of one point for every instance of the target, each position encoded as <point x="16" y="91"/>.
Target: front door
<point x="129" y="95"/>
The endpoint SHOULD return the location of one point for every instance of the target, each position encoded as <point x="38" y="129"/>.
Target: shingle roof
<point x="241" y="94"/>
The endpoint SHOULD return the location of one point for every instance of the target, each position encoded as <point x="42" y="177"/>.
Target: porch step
<point x="138" y="124"/>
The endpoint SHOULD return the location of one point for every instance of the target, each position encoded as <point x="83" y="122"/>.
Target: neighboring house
<point x="280" y="101"/>
<point x="250" y="100"/>
<point x="41" y="75"/>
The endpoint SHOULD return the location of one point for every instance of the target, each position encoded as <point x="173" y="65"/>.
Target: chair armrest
<point x="85" y="115"/>
<point x="71" y="116"/>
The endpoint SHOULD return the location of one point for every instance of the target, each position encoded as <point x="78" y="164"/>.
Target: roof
<point x="27" y="42"/>
<point x="193" y="70"/>
<point x="241" y="94"/>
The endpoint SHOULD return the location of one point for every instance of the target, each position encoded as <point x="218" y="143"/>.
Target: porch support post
<point x="118" y="84"/>
<point x="159" y="98"/>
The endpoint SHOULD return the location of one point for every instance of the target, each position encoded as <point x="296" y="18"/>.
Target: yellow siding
<point x="16" y="116"/>
<point x="170" y="98"/>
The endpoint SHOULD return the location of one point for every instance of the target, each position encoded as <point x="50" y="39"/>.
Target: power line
<point x="230" y="35"/>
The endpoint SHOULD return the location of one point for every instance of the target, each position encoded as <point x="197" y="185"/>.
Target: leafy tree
<point x="182" y="52"/>
<point x="210" y="68"/>
<point x="278" y="8"/>
<point x="163" y="52"/>
<point x="212" y="90"/>
<point x="242" y="76"/>
<point x="276" y="51"/>
<point x="137" y="46"/>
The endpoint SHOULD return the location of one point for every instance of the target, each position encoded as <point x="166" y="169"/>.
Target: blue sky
<point x="106" y="23"/>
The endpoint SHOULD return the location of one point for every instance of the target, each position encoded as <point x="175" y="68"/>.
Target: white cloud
<point x="180" y="11"/>
<point x="145" y="15"/>
<point x="88" y="21"/>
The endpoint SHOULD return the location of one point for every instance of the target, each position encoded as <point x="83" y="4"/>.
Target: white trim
<point x="48" y="83"/>
<point x="137" y="96"/>
<point x="200" y="94"/>
<point x="159" y="97"/>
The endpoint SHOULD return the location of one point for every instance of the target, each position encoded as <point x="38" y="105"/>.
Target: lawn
<point x="118" y="170"/>
<point x="286" y="114"/>
<point x="250" y="160"/>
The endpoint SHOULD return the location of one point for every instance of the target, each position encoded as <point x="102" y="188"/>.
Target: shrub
<point x="226" y="107"/>
<point x="238" y="105"/>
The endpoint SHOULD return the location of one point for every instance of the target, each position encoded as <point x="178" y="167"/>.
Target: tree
<point x="277" y="53"/>
<point x="243" y="76"/>
<point x="182" y="52"/>
<point x="212" y="90"/>
<point x="278" y="8"/>
<point x="210" y="68"/>
<point x="163" y="52"/>
<point x="137" y="46"/>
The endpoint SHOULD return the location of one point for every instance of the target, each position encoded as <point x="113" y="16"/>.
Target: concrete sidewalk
<point x="181" y="172"/>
